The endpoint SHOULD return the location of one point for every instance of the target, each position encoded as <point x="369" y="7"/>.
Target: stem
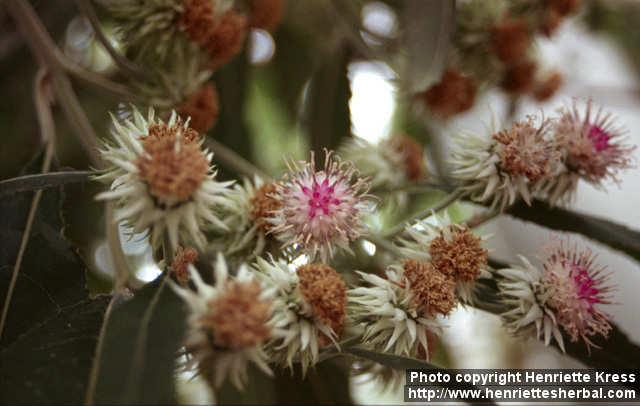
<point x="95" y="366"/>
<point x="123" y="63"/>
<point x="383" y="243"/>
<point x="450" y="199"/>
<point x="47" y="133"/>
<point x="234" y="161"/>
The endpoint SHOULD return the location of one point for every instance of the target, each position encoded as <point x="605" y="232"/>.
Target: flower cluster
<point x="565" y="294"/>
<point x="493" y="46"/>
<point x="453" y="250"/>
<point x="541" y="158"/>
<point x="309" y="308"/>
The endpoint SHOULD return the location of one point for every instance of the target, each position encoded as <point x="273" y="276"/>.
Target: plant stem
<point x="47" y="133"/>
<point x="482" y="218"/>
<point x="446" y="202"/>
<point x="123" y="63"/>
<point x="383" y="243"/>
<point x="234" y="161"/>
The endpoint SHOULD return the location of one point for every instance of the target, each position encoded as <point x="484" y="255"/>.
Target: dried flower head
<point x="263" y="205"/>
<point x="518" y="78"/>
<point x="310" y="304"/>
<point x="197" y="19"/>
<point x="320" y="211"/>
<point x="432" y="290"/>
<point x="266" y="14"/>
<point x="563" y="7"/>
<point x="181" y="261"/>
<point x="510" y="39"/>
<point x="162" y="180"/>
<point x="566" y="293"/>
<point x="202" y="107"/>
<point x="454" y="94"/>
<point x="245" y="237"/>
<point x="412" y="154"/>
<point x="227" y="39"/>
<point x="452" y="249"/>
<point x="547" y="87"/>
<point x="228" y="324"/>
<point x="511" y="163"/>
<point x="393" y="317"/>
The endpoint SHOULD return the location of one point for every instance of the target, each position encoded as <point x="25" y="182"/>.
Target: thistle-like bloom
<point x="162" y="180"/>
<point x="565" y="294"/>
<point x="455" y="93"/>
<point x="156" y="29"/>
<point x="228" y="324"/>
<point x="511" y="163"/>
<point x="309" y="309"/>
<point x="398" y="312"/>
<point x="180" y="264"/>
<point x="389" y="164"/>
<point x="593" y="148"/>
<point x="320" y="211"/>
<point x="247" y="220"/>
<point x="203" y="107"/>
<point x="453" y="250"/>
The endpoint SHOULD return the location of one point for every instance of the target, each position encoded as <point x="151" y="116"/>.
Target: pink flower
<point x="592" y="144"/>
<point x="576" y="287"/>
<point x="320" y="210"/>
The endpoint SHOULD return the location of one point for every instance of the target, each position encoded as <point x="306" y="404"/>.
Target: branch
<point x="123" y="63"/>
<point x="233" y="161"/>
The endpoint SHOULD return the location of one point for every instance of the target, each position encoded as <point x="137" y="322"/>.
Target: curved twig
<point x="40" y="181"/>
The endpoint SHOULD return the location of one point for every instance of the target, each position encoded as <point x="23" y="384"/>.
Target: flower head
<point x="454" y="94"/>
<point x="396" y="315"/>
<point x="181" y="261"/>
<point x="546" y="87"/>
<point x="563" y="295"/>
<point x="309" y="305"/>
<point x="451" y="249"/>
<point x="320" y="211"/>
<point x="512" y="162"/>
<point x="390" y="164"/>
<point x="162" y="180"/>
<point x="228" y="324"/>
<point x="593" y="148"/>
<point x="518" y="78"/>
<point x="510" y="39"/>
<point x="247" y="219"/>
<point x="203" y="107"/>
<point x="267" y="14"/>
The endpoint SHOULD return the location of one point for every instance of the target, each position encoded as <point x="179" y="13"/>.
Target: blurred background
<point x="337" y="69"/>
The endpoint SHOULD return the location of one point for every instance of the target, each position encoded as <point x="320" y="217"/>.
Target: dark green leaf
<point x="327" y="383"/>
<point x="614" y="235"/>
<point x="138" y="358"/>
<point x="50" y="363"/>
<point x="41" y="181"/>
<point x="392" y="361"/>
<point x="52" y="326"/>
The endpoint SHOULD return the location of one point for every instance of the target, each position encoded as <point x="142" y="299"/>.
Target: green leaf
<point x="609" y="233"/>
<point x="50" y="333"/>
<point x="49" y="364"/>
<point x="41" y="181"/>
<point x="138" y="359"/>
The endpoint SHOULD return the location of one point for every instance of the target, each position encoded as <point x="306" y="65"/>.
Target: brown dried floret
<point x="181" y="261"/>
<point x="434" y="292"/>
<point x="263" y="204"/>
<point x="325" y="291"/>
<point x="197" y="20"/>
<point x="172" y="166"/>
<point x="454" y="94"/>
<point x="548" y="86"/>
<point x="238" y="317"/>
<point x="458" y="253"/>
<point x="413" y="155"/>
<point x="518" y="78"/>
<point x="202" y="107"/>
<point x="266" y="14"/>
<point x="227" y="39"/>
<point x="510" y="39"/>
